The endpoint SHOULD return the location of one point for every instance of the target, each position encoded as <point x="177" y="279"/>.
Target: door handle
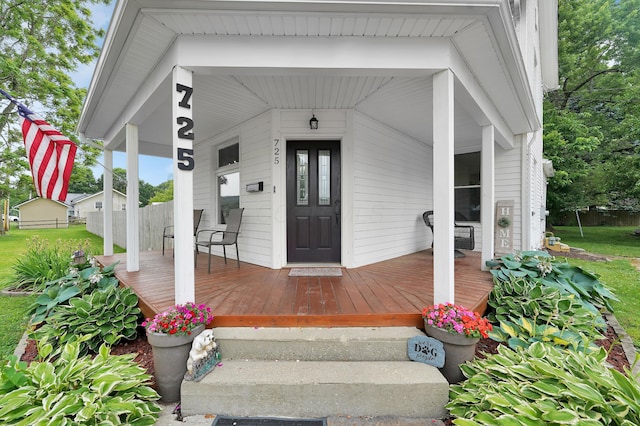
<point x="337" y="210"/>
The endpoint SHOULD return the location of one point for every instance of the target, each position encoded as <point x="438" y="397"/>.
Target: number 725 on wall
<point x="185" y="155"/>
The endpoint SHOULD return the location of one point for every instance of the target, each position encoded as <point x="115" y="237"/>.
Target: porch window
<point x="228" y="180"/>
<point x="467" y="187"/>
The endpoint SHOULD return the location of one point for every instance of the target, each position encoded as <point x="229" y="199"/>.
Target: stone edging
<point x="626" y="342"/>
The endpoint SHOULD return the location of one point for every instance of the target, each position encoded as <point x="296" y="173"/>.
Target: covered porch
<point x="388" y="293"/>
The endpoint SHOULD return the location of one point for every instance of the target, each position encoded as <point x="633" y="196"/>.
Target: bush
<point x="544" y="385"/>
<point x="528" y="311"/>
<point x="66" y="389"/>
<point x="104" y="316"/>
<point x="75" y="283"/>
<point x="551" y="272"/>
<point x="42" y="263"/>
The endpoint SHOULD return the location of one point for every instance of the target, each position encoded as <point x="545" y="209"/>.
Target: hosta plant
<point x="521" y="297"/>
<point x="522" y="332"/>
<point x="555" y="273"/>
<point x="75" y="283"/>
<point x="544" y="385"/>
<point x="105" y="316"/>
<point x="68" y="389"/>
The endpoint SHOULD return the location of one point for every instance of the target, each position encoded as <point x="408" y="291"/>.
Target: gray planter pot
<point x="170" y="354"/>
<point x="457" y="350"/>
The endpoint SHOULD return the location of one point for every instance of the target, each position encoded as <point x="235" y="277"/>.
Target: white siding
<point x="538" y="193"/>
<point x="508" y="186"/>
<point x="255" y="239"/>
<point x="392" y="188"/>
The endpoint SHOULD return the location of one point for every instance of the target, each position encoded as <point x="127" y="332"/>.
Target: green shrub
<point x="104" y="316"/>
<point x="76" y="282"/>
<point x="42" y="263"/>
<point x="523" y="297"/>
<point x="544" y="385"/>
<point x="522" y="332"/>
<point x="551" y="272"/>
<point x="66" y="389"/>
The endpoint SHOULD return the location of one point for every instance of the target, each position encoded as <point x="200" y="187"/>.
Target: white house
<point x="420" y="105"/>
<point x="87" y="203"/>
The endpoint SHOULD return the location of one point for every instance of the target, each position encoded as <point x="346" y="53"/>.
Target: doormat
<point x="315" y="272"/>
<point x="257" y="421"/>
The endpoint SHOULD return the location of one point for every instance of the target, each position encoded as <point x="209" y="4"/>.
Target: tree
<point x="592" y="123"/>
<point x="41" y="43"/>
<point x="82" y="180"/>
<point x="164" y="192"/>
<point x="145" y="190"/>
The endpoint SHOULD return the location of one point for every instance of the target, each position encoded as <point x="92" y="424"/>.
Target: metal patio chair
<point x="168" y="230"/>
<point x="228" y="237"/>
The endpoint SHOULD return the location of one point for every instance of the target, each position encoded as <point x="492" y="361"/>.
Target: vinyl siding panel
<point x="392" y="188"/>
<point x="508" y="176"/>
<point x="255" y="240"/>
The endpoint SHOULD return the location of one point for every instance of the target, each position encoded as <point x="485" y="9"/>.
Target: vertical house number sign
<point x="185" y="129"/>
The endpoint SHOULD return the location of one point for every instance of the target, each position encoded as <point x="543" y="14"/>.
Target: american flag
<point x="51" y="155"/>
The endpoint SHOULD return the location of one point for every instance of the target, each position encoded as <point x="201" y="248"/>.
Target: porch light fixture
<point x="313" y="123"/>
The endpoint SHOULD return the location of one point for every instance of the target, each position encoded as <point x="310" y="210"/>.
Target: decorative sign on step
<point x="203" y="357"/>
<point x="427" y="350"/>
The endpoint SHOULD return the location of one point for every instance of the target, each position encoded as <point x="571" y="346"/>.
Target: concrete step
<point x="315" y="344"/>
<point x="314" y="389"/>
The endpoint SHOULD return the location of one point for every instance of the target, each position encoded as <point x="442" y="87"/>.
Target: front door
<point x="313" y="201"/>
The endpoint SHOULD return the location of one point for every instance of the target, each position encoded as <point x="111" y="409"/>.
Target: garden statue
<point x="203" y="356"/>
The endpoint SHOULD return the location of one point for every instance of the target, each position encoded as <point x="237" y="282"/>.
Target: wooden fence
<point x="601" y="218"/>
<point x="153" y="219"/>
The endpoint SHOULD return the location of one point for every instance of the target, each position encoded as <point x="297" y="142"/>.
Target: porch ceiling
<point x="142" y="33"/>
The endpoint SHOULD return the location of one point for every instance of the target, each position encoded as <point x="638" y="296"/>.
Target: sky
<point x="153" y="170"/>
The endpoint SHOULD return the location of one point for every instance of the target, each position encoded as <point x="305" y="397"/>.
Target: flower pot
<point x="170" y="354"/>
<point x="458" y="349"/>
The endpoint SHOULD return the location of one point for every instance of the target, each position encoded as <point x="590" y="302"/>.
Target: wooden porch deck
<point x="389" y="293"/>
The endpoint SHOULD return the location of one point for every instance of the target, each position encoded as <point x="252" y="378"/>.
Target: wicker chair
<point x="464" y="237"/>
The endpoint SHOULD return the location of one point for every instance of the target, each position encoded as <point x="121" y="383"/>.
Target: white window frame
<point x="224" y="170"/>
<point x="479" y="186"/>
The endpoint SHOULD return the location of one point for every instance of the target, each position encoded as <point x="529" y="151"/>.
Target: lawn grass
<point x="620" y="274"/>
<point x="605" y="240"/>
<point x="13" y="317"/>
<point x="621" y="277"/>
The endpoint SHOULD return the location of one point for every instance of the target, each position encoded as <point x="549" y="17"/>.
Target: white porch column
<point x="443" y="194"/>
<point x="487" y="201"/>
<point x="183" y="164"/>
<point x="133" y="197"/>
<point x="107" y="188"/>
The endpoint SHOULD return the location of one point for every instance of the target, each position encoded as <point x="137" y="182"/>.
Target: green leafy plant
<point x="43" y="262"/>
<point x="75" y="283"/>
<point x="554" y="273"/>
<point x="522" y="332"/>
<point x="523" y="297"/>
<point x="544" y="385"/>
<point x="103" y="316"/>
<point x="68" y="389"/>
